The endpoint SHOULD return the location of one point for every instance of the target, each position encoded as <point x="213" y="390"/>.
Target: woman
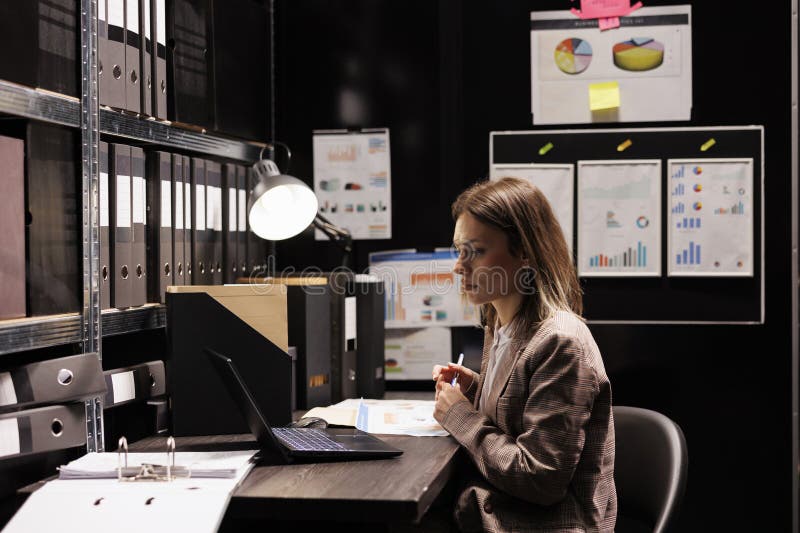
<point x="536" y="422"/>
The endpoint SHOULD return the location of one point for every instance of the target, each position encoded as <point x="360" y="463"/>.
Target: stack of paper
<point x="392" y="417"/>
<point x="200" y="464"/>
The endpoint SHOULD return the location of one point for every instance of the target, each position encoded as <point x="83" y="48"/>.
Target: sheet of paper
<point x="649" y="56"/>
<point x="711" y="217"/>
<point x="556" y="182"/>
<point x="421" y="289"/>
<point x="395" y="417"/>
<point x="78" y="506"/>
<point x="619" y="218"/>
<point x="205" y="464"/>
<point x="411" y="353"/>
<point x="352" y="180"/>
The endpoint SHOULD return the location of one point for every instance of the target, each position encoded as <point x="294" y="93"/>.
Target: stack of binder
<point x="41" y="404"/>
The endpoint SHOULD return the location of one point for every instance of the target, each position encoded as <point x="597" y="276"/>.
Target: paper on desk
<point x="194" y="504"/>
<point x="395" y="417"/>
<point x="201" y="464"/>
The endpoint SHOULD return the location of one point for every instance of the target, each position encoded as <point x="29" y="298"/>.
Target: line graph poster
<point x="711" y="217"/>
<point x="619" y="218"/>
<point x="352" y="181"/>
<point x="556" y="183"/>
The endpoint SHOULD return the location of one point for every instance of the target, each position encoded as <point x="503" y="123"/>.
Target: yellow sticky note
<point x="603" y="95"/>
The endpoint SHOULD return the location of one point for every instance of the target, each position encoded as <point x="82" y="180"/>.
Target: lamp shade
<point x="280" y="206"/>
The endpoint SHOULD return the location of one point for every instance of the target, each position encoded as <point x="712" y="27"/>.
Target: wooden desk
<point x="396" y="490"/>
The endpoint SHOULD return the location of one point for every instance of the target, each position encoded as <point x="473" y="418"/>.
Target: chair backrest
<point x="650" y="467"/>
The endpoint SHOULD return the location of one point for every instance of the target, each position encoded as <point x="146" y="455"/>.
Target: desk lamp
<point x="281" y="206"/>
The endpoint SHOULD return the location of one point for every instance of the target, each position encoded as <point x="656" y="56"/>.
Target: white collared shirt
<point x="499" y="350"/>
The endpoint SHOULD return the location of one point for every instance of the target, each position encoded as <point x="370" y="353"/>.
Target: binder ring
<point x="56" y="427"/>
<point x="65" y="376"/>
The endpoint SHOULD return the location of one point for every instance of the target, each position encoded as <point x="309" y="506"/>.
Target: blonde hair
<point x="522" y="212"/>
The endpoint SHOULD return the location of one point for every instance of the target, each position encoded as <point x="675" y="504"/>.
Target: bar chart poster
<point x="556" y="181"/>
<point x="711" y="217"/>
<point x="421" y="289"/>
<point x="619" y="218"/>
<point x="352" y="181"/>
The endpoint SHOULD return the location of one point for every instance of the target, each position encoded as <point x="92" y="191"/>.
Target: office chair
<point x="650" y="469"/>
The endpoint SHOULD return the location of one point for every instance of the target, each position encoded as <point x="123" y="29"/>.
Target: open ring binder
<point x="148" y="471"/>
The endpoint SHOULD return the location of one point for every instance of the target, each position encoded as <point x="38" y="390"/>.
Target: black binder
<point x="104" y="210"/>
<point x="309" y="313"/>
<point x="55" y="229"/>
<point x="242" y="226"/>
<point x="159" y="22"/>
<point x="121" y="227"/>
<point x="230" y="212"/>
<point x="12" y="222"/>
<point x="139" y="217"/>
<point x="370" y="336"/>
<point x="116" y="54"/>
<point x="146" y="58"/>
<point x="160" y="224"/>
<point x="133" y="98"/>
<point x="242" y="95"/>
<point x="201" y="253"/>
<point x="190" y="100"/>
<point x="188" y="220"/>
<point x="44" y="429"/>
<point x="42" y="42"/>
<point x="256" y="246"/>
<point x="53" y="381"/>
<point x="200" y="405"/>
<point x="134" y="383"/>
<point x="178" y="221"/>
<point x="214" y="219"/>
<point x="104" y="76"/>
<point x="344" y="383"/>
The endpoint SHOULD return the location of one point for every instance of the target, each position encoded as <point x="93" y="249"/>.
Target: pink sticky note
<point x="600" y="9"/>
<point x="608" y="23"/>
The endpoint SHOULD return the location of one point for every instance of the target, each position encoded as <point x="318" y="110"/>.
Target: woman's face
<point x="485" y="263"/>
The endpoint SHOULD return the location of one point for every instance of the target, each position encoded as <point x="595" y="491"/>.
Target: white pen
<point x="460" y="362"/>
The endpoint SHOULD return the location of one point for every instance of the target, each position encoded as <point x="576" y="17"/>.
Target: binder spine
<point x="116" y="54"/>
<point x="241" y="219"/>
<point x="132" y="53"/>
<point x="139" y="216"/>
<point x="159" y="11"/>
<point x="214" y="220"/>
<point x="146" y="58"/>
<point x="161" y="268"/>
<point x="178" y="221"/>
<point x="105" y="234"/>
<point x="188" y="210"/>
<point x="134" y="383"/>
<point x="229" y="224"/>
<point x="41" y="430"/>
<point x="121" y="227"/>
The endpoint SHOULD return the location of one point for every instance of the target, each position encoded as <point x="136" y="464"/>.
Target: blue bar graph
<point x="679" y="209"/>
<point x="690" y="256"/>
<point x="679" y="173"/>
<point x="679" y="190"/>
<point x="688" y="223"/>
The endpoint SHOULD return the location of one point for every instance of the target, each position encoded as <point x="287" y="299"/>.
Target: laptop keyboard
<point x="306" y="439"/>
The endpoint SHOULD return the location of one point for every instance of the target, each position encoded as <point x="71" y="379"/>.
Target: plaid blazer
<point x="545" y="459"/>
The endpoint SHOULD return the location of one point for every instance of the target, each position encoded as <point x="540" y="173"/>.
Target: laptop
<point x="285" y="444"/>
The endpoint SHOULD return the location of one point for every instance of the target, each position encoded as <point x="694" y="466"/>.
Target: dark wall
<point x="442" y="75"/>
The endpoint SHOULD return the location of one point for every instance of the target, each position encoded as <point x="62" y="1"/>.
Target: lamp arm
<point x="338" y="235"/>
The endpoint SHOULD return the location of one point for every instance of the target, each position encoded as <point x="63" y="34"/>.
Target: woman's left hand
<point x="446" y="396"/>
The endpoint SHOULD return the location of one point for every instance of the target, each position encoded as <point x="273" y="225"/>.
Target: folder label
<point x="166" y="204"/>
<point x="124" y="386"/>
<point x="9" y="437"/>
<point x="123" y="201"/>
<point x="161" y="23"/>
<point x="178" y="208"/>
<point x="232" y="214"/>
<point x="133" y="16"/>
<point x="215" y="208"/>
<point x="139" y="209"/>
<point x="200" y="208"/>
<point x="8" y="396"/>
<point x="188" y="204"/>
<point x="242" y="210"/>
<point x="103" y="199"/>
<point x="116" y="13"/>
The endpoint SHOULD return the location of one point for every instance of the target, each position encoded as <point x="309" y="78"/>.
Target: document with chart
<point x="711" y="217"/>
<point x="619" y="218"/>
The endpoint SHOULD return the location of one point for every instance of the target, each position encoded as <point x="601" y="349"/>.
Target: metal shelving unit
<point x="88" y="326"/>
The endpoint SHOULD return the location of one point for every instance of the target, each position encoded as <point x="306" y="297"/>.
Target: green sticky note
<point x="603" y="95"/>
